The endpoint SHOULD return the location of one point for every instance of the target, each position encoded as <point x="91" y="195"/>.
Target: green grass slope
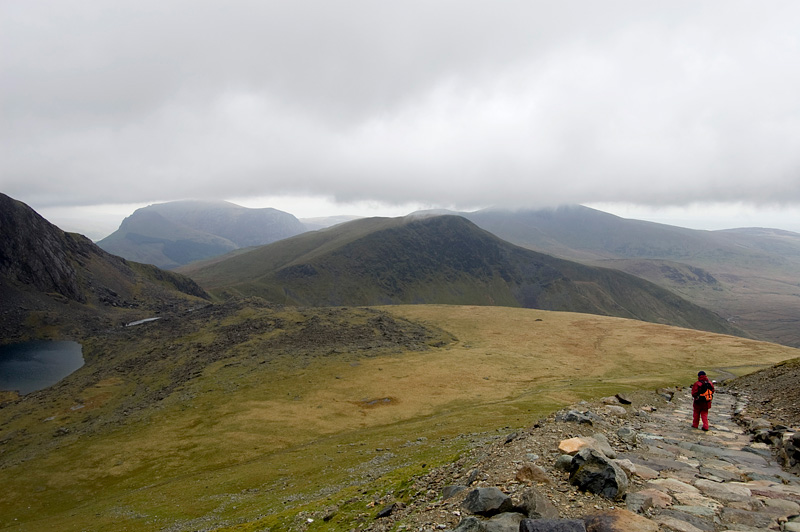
<point x="440" y="259"/>
<point x="239" y="416"/>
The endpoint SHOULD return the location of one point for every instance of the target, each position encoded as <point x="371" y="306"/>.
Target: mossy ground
<point x="235" y="420"/>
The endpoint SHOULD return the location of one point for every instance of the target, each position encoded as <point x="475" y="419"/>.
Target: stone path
<point x="710" y="481"/>
<point x="657" y="473"/>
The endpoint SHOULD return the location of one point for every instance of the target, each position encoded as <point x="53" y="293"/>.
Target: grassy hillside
<point x="748" y="276"/>
<point x="443" y="259"/>
<point x="239" y="416"/>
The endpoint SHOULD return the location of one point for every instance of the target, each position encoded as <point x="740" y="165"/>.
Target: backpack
<point x="705" y="392"/>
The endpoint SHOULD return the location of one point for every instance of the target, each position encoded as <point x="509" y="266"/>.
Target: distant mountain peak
<point x="65" y="280"/>
<point x="179" y="232"/>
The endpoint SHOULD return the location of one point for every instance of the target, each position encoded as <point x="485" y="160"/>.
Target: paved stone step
<point x="715" y="480"/>
<point x="680" y="479"/>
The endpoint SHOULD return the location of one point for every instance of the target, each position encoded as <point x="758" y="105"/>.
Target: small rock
<point x="666" y="393"/>
<point x="575" y="417"/>
<point x="592" y="471"/>
<point x="563" y="462"/>
<point x="552" y="525"/>
<point x="623" y="398"/>
<point x="758" y="424"/>
<point x="535" y="504"/>
<point x="487" y="502"/>
<point x="627" y="466"/>
<point x="618" y="411"/>
<point x="452" y="491"/>
<point x="598" y="442"/>
<point x="389" y="509"/>
<point x="470" y="524"/>
<point x="530" y="473"/>
<point x="505" y="522"/>
<point x="638" y="502"/>
<point x="572" y="445"/>
<point x="627" y="434"/>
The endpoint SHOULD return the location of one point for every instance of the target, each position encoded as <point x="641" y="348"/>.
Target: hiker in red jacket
<point x="702" y="392"/>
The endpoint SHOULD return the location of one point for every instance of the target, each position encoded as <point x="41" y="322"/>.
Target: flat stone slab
<point x="672" y="524"/>
<point x="701" y="511"/>
<point x="726" y="491"/>
<point x="654" y="463"/>
<point x="726" y="475"/>
<point x="619" y="520"/>
<point x="695" y="499"/>
<point x="698" y="522"/>
<point x="672" y="485"/>
<point x="743" y="517"/>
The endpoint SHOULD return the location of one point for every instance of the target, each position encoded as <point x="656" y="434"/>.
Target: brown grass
<point x="262" y="434"/>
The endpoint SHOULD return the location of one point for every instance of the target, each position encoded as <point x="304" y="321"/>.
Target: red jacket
<point x="696" y="386"/>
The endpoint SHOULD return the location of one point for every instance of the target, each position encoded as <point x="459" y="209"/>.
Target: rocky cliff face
<point x="34" y="252"/>
<point x="64" y="278"/>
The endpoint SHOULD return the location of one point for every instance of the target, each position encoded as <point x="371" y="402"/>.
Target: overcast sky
<point x="643" y="107"/>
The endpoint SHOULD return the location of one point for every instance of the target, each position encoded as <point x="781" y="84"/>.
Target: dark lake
<point x="30" y="366"/>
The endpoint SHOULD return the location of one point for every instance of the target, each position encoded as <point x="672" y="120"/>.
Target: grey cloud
<point x="457" y="103"/>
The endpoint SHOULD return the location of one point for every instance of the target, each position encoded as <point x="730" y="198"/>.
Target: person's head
<point x="701" y="373"/>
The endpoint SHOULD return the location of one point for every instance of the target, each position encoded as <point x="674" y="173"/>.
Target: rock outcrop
<point x="592" y="471"/>
<point x="65" y="278"/>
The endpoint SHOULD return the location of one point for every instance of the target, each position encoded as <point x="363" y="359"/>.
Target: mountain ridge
<point x="440" y="259"/>
<point x="171" y="234"/>
<point x="50" y="279"/>
<point x="754" y="270"/>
